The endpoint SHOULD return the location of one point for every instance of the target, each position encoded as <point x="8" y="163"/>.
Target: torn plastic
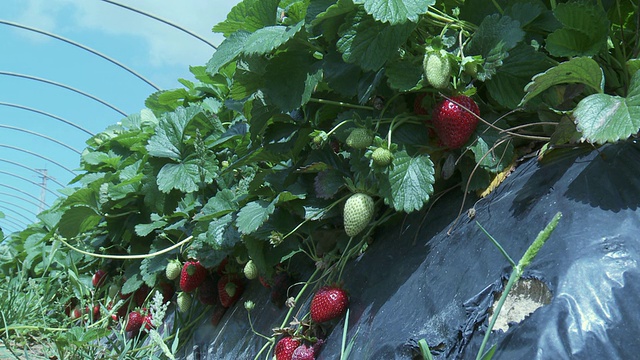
<point x="416" y="282"/>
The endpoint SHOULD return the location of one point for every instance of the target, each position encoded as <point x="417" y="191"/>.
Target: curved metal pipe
<point x="51" y="82"/>
<point x="40" y="156"/>
<point x="25" y="179"/>
<point x="86" y="48"/>
<point x="164" y="21"/>
<point x="49" y="115"/>
<point x="21" y="198"/>
<point x="20" y="207"/>
<point x="30" y="221"/>
<point x="25" y="193"/>
<point x="42" y="136"/>
<point x="34" y="170"/>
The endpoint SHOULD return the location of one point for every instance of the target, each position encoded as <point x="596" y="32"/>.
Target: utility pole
<point x="44" y="174"/>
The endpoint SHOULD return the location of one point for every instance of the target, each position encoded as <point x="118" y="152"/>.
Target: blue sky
<point x="29" y="140"/>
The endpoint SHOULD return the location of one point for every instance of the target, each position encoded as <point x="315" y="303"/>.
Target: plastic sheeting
<point x="416" y="282"/>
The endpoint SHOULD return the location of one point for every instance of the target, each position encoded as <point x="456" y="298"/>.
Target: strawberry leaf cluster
<point x="306" y="103"/>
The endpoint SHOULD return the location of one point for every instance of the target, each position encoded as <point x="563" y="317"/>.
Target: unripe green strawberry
<point x="250" y="270"/>
<point x="358" y="212"/>
<point x="359" y="138"/>
<point x="471" y="69"/>
<point x="437" y="70"/>
<point x="382" y="157"/>
<point x="184" y="302"/>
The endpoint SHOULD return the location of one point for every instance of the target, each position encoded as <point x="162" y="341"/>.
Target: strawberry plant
<point x="315" y="123"/>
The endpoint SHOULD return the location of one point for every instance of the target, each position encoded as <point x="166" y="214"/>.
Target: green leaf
<point x="584" y="32"/>
<point x="249" y="77"/>
<point x="185" y="176"/>
<point x="321" y="10"/>
<point x="221" y="204"/>
<point x="167" y="142"/>
<point x="565" y="132"/>
<point x="228" y="50"/>
<point x="489" y="154"/>
<point x="145" y="229"/>
<point x="249" y="15"/>
<point x="78" y="219"/>
<point x="290" y="79"/>
<point x="340" y="75"/>
<point x="134" y="278"/>
<point x="410" y="182"/>
<point x="525" y="11"/>
<point x="404" y="75"/>
<point x="495" y="36"/>
<point x="507" y="85"/>
<point x="396" y="11"/>
<point x="605" y="118"/>
<point x="369" y="43"/>
<point x="221" y="235"/>
<point x="269" y="38"/>
<point x="253" y="215"/>
<point x="582" y="70"/>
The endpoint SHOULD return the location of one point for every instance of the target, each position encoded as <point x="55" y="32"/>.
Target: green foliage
<point x="251" y="160"/>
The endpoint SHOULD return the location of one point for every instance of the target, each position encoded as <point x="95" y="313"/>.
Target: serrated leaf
<point x="605" y="118"/>
<point x="184" y="176"/>
<point x="582" y="70"/>
<point x="78" y="219"/>
<point x="290" y="79"/>
<point x="410" y="182"/>
<point x="327" y="183"/>
<point x="320" y="10"/>
<point x="565" y="132"/>
<point x="396" y="11"/>
<point x="221" y="204"/>
<point x="249" y="77"/>
<point x="146" y="229"/>
<point x="340" y="75"/>
<point x="507" y="85"/>
<point x="525" y="11"/>
<point x="253" y="215"/>
<point x="370" y="43"/>
<point x="134" y="278"/>
<point x="404" y="75"/>
<point x="495" y="36"/>
<point x="249" y="15"/>
<point x="267" y="39"/>
<point x="228" y="50"/>
<point x="489" y="154"/>
<point x="584" y="32"/>
<point x="167" y="142"/>
<point x="220" y="234"/>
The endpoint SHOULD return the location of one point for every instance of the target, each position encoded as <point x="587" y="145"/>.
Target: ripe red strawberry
<point x="303" y="352"/>
<point x="193" y="274"/>
<point x="98" y="278"/>
<point x="454" y="125"/>
<point x="147" y="321"/>
<point x="285" y="348"/>
<point x="229" y="289"/>
<point x="134" y="321"/>
<point x="328" y="303"/>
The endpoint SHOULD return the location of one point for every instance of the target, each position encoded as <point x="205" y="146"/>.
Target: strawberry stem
<point x="124" y="257"/>
<point x="340" y="103"/>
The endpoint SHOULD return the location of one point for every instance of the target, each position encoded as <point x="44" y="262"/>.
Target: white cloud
<point x="166" y="45"/>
